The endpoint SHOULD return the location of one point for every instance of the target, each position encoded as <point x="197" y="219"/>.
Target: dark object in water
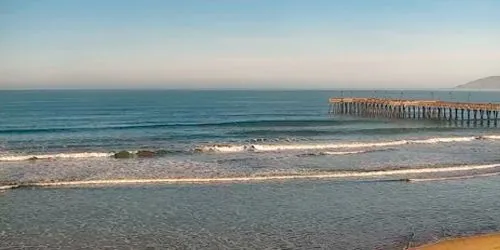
<point x="146" y="154"/>
<point x="34" y="158"/>
<point x="123" y="155"/>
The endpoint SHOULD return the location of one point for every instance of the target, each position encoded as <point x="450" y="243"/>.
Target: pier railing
<point x="416" y="109"/>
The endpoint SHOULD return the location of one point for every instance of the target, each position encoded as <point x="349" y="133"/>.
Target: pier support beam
<point x="416" y="109"/>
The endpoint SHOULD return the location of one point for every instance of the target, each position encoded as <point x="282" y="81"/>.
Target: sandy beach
<point x="480" y="242"/>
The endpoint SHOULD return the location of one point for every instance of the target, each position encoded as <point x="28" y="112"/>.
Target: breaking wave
<point x="234" y="148"/>
<point x="6" y="187"/>
<point x="325" y="153"/>
<point x="129" y="154"/>
<point x="345" y="152"/>
<point x="53" y="156"/>
<point x="228" y="148"/>
<point x="492" y="137"/>
<point x="445" y="140"/>
<point x="332" y="175"/>
<point x="312" y="131"/>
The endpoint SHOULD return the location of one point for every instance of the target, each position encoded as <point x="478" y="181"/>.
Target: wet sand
<point x="480" y="242"/>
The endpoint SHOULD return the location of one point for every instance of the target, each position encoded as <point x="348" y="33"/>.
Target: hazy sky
<point x="247" y="43"/>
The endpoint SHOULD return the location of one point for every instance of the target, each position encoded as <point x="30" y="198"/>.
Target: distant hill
<point x="492" y="82"/>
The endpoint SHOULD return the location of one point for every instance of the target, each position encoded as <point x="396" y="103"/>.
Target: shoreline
<point x="488" y="241"/>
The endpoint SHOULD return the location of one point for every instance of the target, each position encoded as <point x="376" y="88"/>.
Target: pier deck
<point x="417" y="109"/>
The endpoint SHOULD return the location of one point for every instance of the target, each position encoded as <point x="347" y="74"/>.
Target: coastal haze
<point x="491" y="82"/>
<point x="206" y="125"/>
<point x="247" y="44"/>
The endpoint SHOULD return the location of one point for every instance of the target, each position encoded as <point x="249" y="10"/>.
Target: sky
<point x="247" y="43"/>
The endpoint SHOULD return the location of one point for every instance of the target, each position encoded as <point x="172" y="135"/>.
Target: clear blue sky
<point x="247" y="43"/>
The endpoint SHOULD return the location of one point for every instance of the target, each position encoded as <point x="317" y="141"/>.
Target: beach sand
<point x="480" y="242"/>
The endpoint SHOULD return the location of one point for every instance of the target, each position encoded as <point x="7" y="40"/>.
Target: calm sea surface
<point x="359" y="183"/>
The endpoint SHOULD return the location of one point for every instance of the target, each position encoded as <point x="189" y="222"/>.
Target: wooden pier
<point x="416" y="109"/>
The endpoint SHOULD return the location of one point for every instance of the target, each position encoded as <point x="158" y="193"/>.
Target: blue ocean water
<point x="111" y="120"/>
<point x="284" y="143"/>
<point x="222" y="133"/>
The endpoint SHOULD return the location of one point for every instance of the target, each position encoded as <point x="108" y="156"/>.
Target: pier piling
<point x="417" y="109"/>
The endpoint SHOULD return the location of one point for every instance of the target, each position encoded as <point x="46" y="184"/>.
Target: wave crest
<point x="229" y="148"/>
<point x="53" y="156"/>
<point x="238" y="148"/>
<point x="346" y="152"/>
<point x="334" y="175"/>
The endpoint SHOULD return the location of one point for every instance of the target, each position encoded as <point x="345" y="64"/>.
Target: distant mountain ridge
<point x="491" y="82"/>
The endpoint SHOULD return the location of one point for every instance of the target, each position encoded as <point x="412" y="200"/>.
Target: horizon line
<point x="244" y="89"/>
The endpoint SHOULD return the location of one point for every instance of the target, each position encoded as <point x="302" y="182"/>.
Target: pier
<point x="416" y="109"/>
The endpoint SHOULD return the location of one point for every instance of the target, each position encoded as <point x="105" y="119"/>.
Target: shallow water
<point x="277" y="215"/>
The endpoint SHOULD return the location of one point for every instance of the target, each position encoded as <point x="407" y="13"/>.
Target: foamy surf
<point x="344" y="152"/>
<point x="266" y="148"/>
<point x="229" y="148"/>
<point x="444" y="140"/>
<point x="337" y="175"/>
<point x="53" y="156"/>
<point x="353" y="145"/>
<point x="223" y="148"/>
<point x="355" y="152"/>
<point x="7" y="187"/>
<point x="286" y="147"/>
<point x="338" y="153"/>
<point x="492" y="137"/>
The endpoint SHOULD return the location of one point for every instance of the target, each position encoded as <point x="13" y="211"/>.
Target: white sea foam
<point x="53" y="156"/>
<point x="492" y="137"/>
<point x="224" y="148"/>
<point x="8" y="187"/>
<point x="268" y="148"/>
<point x="444" y="140"/>
<point x="346" y="174"/>
<point x="265" y="148"/>
<point x="337" y="153"/>
<point x="353" y="145"/>
<point x="345" y="152"/>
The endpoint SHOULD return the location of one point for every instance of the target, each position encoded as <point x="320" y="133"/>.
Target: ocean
<point x="238" y="170"/>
